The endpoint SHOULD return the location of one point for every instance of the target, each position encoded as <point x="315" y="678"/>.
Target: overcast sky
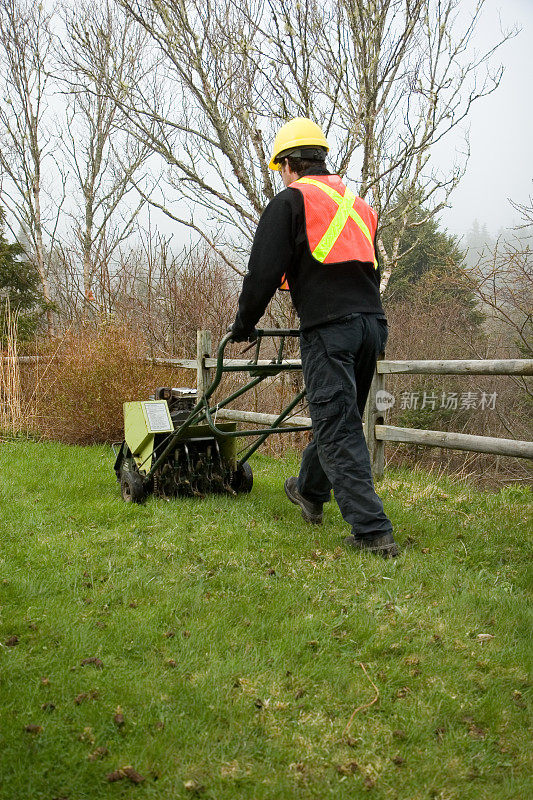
<point x="501" y="129"/>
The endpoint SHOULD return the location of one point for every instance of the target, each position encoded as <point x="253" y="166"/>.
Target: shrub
<point x="82" y="382"/>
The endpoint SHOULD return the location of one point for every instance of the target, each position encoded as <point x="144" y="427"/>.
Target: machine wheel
<point x="243" y="479"/>
<point x="132" y="487"/>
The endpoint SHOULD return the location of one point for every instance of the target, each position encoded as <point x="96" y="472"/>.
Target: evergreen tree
<point x="19" y="287"/>
<point x="430" y="263"/>
<point x="478" y="244"/>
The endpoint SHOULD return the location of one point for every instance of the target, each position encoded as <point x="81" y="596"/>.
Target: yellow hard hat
<point x="298" y="133"/>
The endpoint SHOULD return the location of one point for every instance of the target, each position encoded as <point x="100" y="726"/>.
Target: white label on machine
<point x="157" y="416"/>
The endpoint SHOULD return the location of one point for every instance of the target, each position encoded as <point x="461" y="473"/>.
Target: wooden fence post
<point x="371" y="418"/>
<point x="203" y="351"/>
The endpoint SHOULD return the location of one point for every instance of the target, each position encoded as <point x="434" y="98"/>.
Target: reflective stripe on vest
<point x="337" y="233"/>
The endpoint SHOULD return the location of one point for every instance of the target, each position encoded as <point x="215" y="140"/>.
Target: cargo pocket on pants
<point x="327" y="413"/>
<point x="384" y="334"/>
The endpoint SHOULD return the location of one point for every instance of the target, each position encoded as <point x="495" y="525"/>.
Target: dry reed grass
<point x="13" y="416"/>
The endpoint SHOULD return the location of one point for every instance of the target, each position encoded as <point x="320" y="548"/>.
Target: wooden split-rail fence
<point x="376" y="432"/>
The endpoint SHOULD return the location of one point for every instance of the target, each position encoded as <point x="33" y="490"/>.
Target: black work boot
<point x="311" y="512"/>
<point x="382" y="544"/>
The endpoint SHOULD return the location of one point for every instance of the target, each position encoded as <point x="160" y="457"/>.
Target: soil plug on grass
<point x="93" y="661"/>
<point x="94" y="694"/>
<point x="125" y="772"/>
<point x="133" y="775"/>
<point x="118" y="719"/>
<point x="100" y="752"/>
<point x="35" y="729"/>
<point x="12" y="641"/>
<point x="475" y="731"/>
<point x="347" y="769"/>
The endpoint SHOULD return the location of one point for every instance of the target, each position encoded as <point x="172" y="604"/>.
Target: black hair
<point x="301" y="165"/>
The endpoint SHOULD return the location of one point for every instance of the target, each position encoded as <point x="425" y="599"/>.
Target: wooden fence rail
<point x="510" y="366"/>
<point x="375" y="431"/>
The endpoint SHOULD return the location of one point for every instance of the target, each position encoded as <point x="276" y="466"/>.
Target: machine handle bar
<point x="202" y="404"/>
<point x="261" y="332"/>
<point x="277" y="332"/>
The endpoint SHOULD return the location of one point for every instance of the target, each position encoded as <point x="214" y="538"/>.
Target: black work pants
<point x="338" y="362"/>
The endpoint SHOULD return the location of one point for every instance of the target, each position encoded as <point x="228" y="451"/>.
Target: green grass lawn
<point x="231" y="639"/>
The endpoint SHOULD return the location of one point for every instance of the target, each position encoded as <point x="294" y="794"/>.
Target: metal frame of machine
<point x="171" y="448"/>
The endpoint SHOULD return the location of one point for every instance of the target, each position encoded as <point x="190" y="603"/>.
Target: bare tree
<point x="219" y="58"/>
<point x="387" y="80"/>
<point x="417" y="75"/>
<point x="100" y="47"/>
<point x="199" y="113"/>
<point x="504" y="287"/>
<point x="25" y="140"/>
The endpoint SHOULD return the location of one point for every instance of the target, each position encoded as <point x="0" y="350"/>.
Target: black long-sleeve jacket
<point x="321" y="293"/>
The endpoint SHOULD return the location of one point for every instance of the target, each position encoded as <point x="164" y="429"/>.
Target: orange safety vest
<point x="340" y="226"/>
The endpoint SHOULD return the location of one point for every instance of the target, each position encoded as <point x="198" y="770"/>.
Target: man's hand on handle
<point x="242" y="336"/>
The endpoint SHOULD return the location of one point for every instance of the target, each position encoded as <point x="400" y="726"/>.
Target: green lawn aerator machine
<point x="173" y="445"/>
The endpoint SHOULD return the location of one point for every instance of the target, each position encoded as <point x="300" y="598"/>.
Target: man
<point x="321" y="237"/>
